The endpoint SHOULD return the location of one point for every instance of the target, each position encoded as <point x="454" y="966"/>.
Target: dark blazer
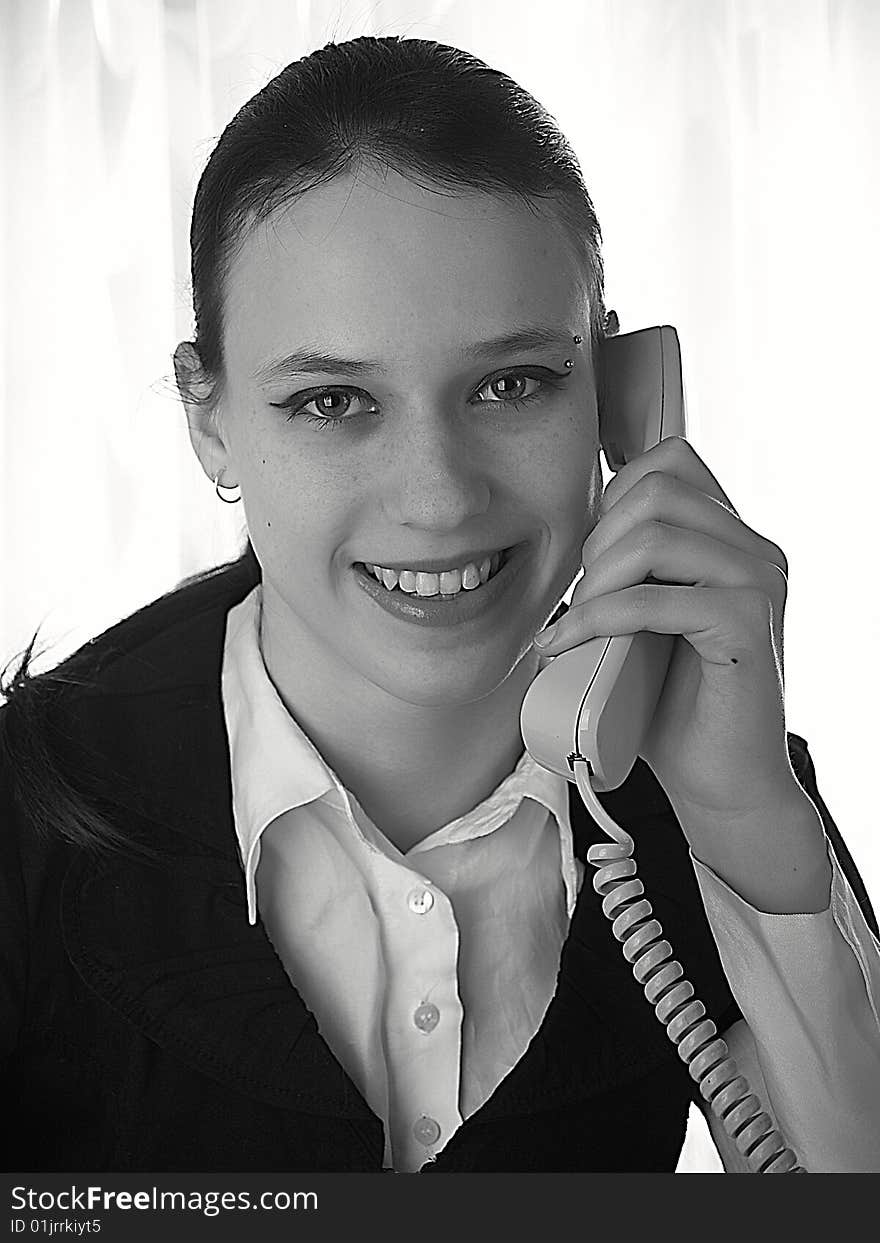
<point x="144" y="1025"/>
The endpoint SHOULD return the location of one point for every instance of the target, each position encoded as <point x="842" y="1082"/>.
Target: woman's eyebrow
<point x="315" y="359"/>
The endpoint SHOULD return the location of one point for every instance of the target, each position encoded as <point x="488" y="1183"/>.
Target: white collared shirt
<point x="430" y="971"/>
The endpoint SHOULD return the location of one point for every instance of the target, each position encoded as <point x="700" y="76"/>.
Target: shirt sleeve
<point x="808" y="987"/>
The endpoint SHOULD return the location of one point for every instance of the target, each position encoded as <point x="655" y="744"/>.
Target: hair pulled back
<point x="430" y="112"/>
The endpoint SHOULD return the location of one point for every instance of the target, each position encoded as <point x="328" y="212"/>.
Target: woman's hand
<point x="717" y="743"/>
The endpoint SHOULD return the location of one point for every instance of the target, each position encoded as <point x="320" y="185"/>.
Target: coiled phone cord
<point x="694" y="1035"/>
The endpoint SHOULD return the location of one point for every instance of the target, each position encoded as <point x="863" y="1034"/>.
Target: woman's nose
<point x="435" y="477"/>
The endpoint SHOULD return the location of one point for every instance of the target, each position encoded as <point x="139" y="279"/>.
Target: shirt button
<point x="426" y="1017"/>
<point x="420" y="901"/>
<point x="426" y="1131"/>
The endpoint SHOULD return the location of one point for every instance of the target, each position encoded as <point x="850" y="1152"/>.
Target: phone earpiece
<point x="642" y="392"/>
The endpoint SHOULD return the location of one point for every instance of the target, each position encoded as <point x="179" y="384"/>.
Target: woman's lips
<point x="445" y="610"/>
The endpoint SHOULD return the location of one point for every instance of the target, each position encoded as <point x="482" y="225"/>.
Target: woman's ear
<point x="198" y="394"/>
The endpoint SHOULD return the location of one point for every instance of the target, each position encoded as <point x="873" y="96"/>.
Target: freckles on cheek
<point x="566" y="472"/>
<point x="271" y="499"/>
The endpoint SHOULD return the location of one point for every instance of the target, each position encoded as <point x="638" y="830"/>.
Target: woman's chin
<point x="451" y="681"/>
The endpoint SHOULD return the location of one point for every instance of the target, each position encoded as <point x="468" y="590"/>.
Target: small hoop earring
<point x="225" y="499"/>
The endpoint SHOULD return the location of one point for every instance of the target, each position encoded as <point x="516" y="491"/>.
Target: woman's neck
<point x="412" y="767"/>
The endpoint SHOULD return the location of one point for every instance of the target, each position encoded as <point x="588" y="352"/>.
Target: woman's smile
<point x="450" y="598"/>
<point x="447" y="583"/>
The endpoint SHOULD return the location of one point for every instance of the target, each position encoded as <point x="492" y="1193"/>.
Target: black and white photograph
<point x="439" y="613"/>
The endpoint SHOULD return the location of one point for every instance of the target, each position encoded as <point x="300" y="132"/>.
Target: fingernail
<point x="543" y="637"/>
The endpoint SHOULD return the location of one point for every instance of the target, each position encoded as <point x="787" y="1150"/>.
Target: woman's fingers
<point x="672" y="456"/>
<point x="660" y="497"/>
<point x="665" y="517"/>
<point x="675" y="554"/>
<point x="724" y="625"/>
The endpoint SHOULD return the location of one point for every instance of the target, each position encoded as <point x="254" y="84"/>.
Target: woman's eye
<point x="510" y="387"/>
<point x="327" y="406"/>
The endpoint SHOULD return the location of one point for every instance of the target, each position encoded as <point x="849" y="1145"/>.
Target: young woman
<point x="283" y="891"/>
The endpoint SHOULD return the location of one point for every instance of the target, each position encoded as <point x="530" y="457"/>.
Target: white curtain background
<point x="731" y="150"/>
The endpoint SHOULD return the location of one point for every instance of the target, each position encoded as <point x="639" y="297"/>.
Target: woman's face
<point x="404" y="432"/>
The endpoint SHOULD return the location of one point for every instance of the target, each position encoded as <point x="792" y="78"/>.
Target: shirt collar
<point x="528" y="780"/>
<point x="275" y="767"/>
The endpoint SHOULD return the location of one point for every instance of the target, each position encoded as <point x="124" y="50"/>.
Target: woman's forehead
<point x="383" y="264"/>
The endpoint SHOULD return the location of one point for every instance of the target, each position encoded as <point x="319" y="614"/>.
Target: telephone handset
<point x="597" y="700"/>
<point x="586" y="715"/>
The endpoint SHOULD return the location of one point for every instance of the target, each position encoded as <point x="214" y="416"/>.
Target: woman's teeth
<point x="449" y="583"/>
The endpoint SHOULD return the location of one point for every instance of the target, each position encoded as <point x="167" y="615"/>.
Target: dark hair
<point x="431" y="112"/>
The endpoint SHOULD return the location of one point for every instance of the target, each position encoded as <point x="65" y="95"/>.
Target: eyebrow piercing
<point x="569" y="362"/>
